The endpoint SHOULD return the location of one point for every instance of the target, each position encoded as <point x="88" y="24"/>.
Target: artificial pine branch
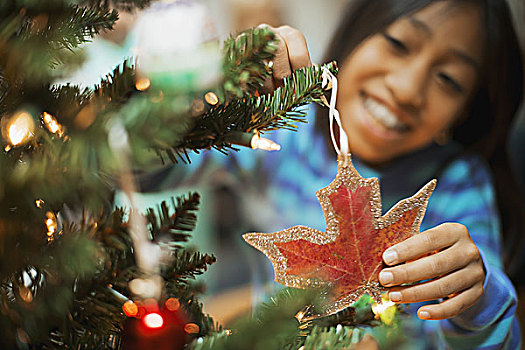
<point x="89" y="312"/>
<point x="245" y="61"/>
<point x="39" y="306"/>
<point x="337" y="338"/>
<point x="175" y="225"/>
<point x="268" y="112"/>
<point x="119" y="85"/>
<point x="278" y="324"/>
<point x="193" y="309"/>
<point x="273" y="326"/>
<point x="188" y="264"/>
<point x="78" y="25"/>
<point x="35" y="40"/>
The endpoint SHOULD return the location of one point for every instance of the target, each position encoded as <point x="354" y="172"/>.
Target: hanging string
<point x="343" y="148"/>
<point x="148" y="255"/>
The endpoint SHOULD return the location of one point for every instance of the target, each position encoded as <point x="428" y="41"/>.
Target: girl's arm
<point x="463" y="264"/>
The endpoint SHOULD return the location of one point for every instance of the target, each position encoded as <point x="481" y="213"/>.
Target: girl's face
<point x="402" y="87"/>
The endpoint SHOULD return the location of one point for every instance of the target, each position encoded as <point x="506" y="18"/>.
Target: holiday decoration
<point x="347" y="258"/>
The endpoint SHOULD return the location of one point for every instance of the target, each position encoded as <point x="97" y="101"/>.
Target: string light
<point x="52" y="124"/>
<point x="211" y="98"/>
<point x="51" y="223"/>
<point x="19" y="128"/>
<point x="300" y="315"/>
<point x="153" y="320"/>
<point x="191" y="328"/>
<point x="172" y="304"/>
<point x="39" y="203"/>
<point x="264" y="144"/>
<point x="142" y="84"/>
<point x="252" y="140"/>
<point x="130" y="308"/>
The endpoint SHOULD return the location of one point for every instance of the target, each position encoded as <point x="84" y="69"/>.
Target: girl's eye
<point x="450" y="82"/>
<point x="396" y="43"/>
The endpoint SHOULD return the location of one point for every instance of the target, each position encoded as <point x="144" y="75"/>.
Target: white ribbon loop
<point x="329" y="78"/>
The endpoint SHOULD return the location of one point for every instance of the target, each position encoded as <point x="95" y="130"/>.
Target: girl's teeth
<point x="384" y="116"/>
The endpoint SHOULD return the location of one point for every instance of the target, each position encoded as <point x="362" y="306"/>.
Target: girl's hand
<point x="454" y="270"/>
<point x="292" y="53"/>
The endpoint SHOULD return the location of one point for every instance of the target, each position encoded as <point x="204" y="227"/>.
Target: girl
<point x="428" y="89"/>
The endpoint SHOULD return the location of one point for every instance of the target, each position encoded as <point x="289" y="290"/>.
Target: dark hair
<point x="485" y="129"/>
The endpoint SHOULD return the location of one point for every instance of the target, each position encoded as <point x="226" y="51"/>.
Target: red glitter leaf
<point x="348" y="256"/>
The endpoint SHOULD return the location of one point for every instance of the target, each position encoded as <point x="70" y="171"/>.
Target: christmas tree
<point x="79" y="274"/>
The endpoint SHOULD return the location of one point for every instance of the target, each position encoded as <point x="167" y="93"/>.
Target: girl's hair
<point x="485" y="129"/>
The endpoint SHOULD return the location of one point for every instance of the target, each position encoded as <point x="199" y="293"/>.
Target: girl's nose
<point x="408" y="83"/>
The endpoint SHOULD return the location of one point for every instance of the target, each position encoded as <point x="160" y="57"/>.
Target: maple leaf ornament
<point x="348" y="256"/>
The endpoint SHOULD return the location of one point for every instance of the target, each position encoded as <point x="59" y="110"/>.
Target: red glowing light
<point x="130" y="308"/>
<point x="172" y="304"/>
<point x="153" y="320"/>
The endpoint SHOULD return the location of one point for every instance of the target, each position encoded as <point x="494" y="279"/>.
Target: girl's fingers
<point x="281" y="62"/>
<point x="298" y="54"/>
<point x="447" y="257"/>
<point x="453" y="306"/>
<point x="291" y="54"/>
<point x="443" y="287"/>
<point x="441" y="263"/>
<point x="436" y="238"/>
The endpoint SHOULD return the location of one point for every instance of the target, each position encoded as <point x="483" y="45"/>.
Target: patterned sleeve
<point x="467" y="196"/>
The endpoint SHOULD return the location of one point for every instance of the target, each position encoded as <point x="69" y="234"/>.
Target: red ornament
<point x="348" y="256"/>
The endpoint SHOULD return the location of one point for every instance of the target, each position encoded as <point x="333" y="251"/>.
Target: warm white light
<point x="211" y="98"/>
<point x="300" y="315"/>
<point x="264" y="144"/>
<point x="20" y="128"/>
<point x="140" y="286"/>
<point x="51" y="223"/>
<point x="142" y="84"/>
<point x="137" y="286"/>
<point x="153" y="320"/>
<point x="52" y="124"/>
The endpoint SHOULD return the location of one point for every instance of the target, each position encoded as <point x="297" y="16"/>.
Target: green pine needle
<point x="245" y="59"/>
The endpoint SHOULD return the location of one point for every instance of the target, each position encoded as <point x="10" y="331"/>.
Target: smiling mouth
<point x="383" y="116"/>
